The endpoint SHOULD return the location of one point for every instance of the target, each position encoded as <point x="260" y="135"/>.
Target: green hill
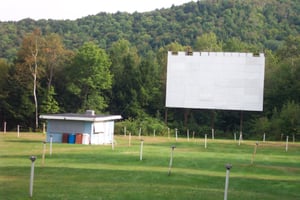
<point x="264" y="23"/>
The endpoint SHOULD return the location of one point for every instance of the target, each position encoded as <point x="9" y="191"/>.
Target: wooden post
<point x="254" y="152"/>
<point x="44" y="128"/>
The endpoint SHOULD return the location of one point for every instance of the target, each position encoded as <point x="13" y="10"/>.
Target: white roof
<point x="80" y="117"/>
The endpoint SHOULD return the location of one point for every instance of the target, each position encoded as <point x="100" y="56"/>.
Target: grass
<point x="98" y="172"/>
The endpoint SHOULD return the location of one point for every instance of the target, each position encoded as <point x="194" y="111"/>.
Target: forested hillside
<point x="116" y="63"/>
<point x="262" y="23"/>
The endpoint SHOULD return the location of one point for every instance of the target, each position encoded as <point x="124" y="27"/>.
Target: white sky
<point x="14" y="10"/>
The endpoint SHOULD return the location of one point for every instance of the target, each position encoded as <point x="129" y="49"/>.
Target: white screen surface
<point x="215" y="80"/>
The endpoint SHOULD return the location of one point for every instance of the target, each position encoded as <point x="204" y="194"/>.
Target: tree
<point x="49" y="104"/>
<point x="130" y="88"/>
<point x="4" y="68"/>
<point x="54" y="58"/>
<point x="236" y="45"/>
<point x="151" y="98"/>
<point x="29" y="57"/>
<point x="290" y="116"/>
<point x="126" y="79"/>
<point x="54" y="55"/>
<point x="20" y="108"/>
<point x="207" y="42"/>
<point x="89" y="78"/>
<point x="261" y="125"/>
<point x="282" y="75"/>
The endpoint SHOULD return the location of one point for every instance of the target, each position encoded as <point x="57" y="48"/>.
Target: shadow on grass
<point x="82" y="183"/>
<point x="24" y="141"/>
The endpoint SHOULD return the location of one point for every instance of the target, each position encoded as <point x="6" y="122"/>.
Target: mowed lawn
<point x="75" y="171"/>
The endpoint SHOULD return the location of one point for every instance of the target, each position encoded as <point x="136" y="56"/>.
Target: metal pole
<point x="212" y="121"/>
<point x="287" y="143"/>
<point x="294" y="138"/>
<point x="193" y="135"/>
<point x="171" y="160"/>
<point x="205" y="141"/>
<point x="44" y="152"/>
<point x="51" y="140"/>
<point x="112" y="144"/>
<point x="129" y="139"/>
<point x="4" y="131"/>
<point x="228" y="167"/>
<point x="32" y="158"/>
<point x="141" y="150"/>
<point x="18" y="130"/>
<point x="188" y="134"/>
<point x="264" y="137"/>
<point x="140" y="132"/>
<point x="241" y="126"/>
<point x="176" y="135"/>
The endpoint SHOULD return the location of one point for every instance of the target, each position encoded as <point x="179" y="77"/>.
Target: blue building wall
<point x="57" y="128"/>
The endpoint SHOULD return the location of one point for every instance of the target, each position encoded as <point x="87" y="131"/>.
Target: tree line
<point x="116" y="63"/>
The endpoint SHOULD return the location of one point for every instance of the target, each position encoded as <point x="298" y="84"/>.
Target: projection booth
<point x="87" y="128"/>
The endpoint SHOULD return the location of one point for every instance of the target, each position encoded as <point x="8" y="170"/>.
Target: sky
<point x="15" y="10"/>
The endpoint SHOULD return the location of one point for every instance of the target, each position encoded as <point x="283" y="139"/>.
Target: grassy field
<point x="99" y="172"/>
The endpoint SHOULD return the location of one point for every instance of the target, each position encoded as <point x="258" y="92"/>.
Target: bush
<point x="147" y="125"/>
